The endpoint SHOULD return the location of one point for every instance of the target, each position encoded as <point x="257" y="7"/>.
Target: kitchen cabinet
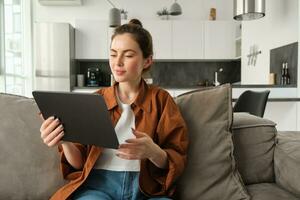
<point x="219" y="40"/>
<point x="187" y="40"/>
<point x="161" y="32"/>
<point x="238" y="40"/>
<point x="178" y="39"/>
<point x="110" y="32"/>
<point x="91" y="38"/>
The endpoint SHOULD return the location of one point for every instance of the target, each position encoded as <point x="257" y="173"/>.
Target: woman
<point x="149" y="126"/>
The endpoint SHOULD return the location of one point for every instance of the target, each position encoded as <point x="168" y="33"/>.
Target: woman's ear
<point x="148" y="62"/>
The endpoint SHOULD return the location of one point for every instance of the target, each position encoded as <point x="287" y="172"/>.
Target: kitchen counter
<point x="263" y="86"/>
<point x="277" y="99"/>
<point x="278" y="93"/>
<point x="234" y="86"/>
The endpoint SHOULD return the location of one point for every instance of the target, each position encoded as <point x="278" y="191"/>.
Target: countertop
<point x="279" y="93"/>
<point x="277" y="99"/>
<point x="233" y="86"/>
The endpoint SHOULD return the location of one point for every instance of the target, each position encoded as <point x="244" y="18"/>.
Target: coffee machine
<point x="93" y="76"/>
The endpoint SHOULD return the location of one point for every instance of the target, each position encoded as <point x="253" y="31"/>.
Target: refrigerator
<point x="54" y="56"/>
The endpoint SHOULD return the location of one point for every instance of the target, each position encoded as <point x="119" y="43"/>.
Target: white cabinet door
<point x="219" y="39"/>
<point x="91" y="39"/>
<point x="110" y="32"/>
<point x="161" y="32"/>
<point x="188" y="40"/>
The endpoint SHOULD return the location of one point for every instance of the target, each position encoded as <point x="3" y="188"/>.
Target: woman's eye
<point x="113" y="55"/>
<point x="129" y="56"/>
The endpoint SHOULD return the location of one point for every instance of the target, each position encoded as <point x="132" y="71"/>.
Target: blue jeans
<point x="111" y="185"/>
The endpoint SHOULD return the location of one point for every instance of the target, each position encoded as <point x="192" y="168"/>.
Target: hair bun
<point x="135" y="22"/>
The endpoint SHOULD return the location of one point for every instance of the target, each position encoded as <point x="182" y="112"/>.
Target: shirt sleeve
<point x="172" y="138"/>
<point x="68" y="172"/>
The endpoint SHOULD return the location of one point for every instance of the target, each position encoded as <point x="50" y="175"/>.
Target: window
<point x="15" y="32"/>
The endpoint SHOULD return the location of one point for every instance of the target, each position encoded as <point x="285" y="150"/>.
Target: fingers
<point x="46" y="123"/>
<point x="138" y="134"/>
<point x="53" y="134"/>
<point x="133" y="140"/>
<point x="51" y="131"/>
<point x="127" y="156"/>
<point x="56" y="140"/>
<point x="53" y="125"/>
<point x="128" y="145"/>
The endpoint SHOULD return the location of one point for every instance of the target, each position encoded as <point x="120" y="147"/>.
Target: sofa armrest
<point x="287" y="161"/>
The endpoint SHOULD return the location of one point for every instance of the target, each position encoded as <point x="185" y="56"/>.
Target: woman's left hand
<point x="142" y="147"/>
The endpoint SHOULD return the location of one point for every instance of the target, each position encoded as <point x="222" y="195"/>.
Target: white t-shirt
<point x="108" y="159"/>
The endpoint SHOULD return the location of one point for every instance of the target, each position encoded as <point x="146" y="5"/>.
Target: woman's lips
<point x="119" y="73"/>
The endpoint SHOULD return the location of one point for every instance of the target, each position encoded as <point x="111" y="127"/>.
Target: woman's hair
<point x="139" y="34"/>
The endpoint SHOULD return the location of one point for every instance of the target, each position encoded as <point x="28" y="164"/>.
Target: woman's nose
<point x="119" y="61"/>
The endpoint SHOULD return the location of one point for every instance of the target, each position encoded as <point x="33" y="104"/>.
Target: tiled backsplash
<point x="177" y="74"/>
<point x="190" y="74"/>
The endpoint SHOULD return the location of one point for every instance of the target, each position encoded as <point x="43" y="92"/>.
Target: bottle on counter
<point x="287" y="75"/>
<point x="283" y="75"/>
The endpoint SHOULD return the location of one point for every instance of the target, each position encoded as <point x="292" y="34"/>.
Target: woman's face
<point x="126" y="59"/>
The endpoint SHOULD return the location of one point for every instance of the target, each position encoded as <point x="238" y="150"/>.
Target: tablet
<point x="85" y="117"/>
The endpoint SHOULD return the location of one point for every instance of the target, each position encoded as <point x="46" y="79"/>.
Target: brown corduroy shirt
<point x="155" y="114"/>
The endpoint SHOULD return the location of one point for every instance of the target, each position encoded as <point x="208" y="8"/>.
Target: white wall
<point x="142" y="9"/>
<point x="298" y="81"/>
<point x="2" y="84"/>
<point x="284" y="114"/>
<point x="279" y="27"/>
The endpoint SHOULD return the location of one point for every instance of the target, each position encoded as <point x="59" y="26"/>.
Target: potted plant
<point x="163" y="14"/>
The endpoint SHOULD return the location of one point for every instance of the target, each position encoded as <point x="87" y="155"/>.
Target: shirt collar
<point x="143" y="100"/>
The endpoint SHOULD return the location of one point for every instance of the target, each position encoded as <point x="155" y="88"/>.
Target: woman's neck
<point x="128" y="91"/>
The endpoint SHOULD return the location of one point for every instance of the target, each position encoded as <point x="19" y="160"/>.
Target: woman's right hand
<point x="52" y="131"/>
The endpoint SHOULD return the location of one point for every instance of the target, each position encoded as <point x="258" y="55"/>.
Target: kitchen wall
<point x="143" y="9"/>
<point x="278" y="28"/>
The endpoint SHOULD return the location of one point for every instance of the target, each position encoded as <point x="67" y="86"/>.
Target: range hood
<point x="60" y="2"/>
<point x="248" y="9"/>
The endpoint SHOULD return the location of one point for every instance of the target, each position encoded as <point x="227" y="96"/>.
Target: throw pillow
<point x="210" y="173"/>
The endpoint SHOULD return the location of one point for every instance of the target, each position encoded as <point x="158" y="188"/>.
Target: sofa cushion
<point x="269" y="191"/>
<point x="287" y="161"/>
<point x="28" y="168"/>
<point x="254" y="143"/>
<point x="210" y="173"/>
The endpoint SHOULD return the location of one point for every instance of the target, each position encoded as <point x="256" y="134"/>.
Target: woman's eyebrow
<point x="126" y="50"/>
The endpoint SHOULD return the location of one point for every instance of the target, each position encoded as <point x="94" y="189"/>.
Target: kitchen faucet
<point x="216" y="82"/>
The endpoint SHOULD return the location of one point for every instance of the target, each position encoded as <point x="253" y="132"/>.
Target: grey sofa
<point x="268" y="162"/>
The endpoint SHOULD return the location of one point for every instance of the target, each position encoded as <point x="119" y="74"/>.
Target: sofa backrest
<point x="28" y="168"/>
<point x="254" y="144"/>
